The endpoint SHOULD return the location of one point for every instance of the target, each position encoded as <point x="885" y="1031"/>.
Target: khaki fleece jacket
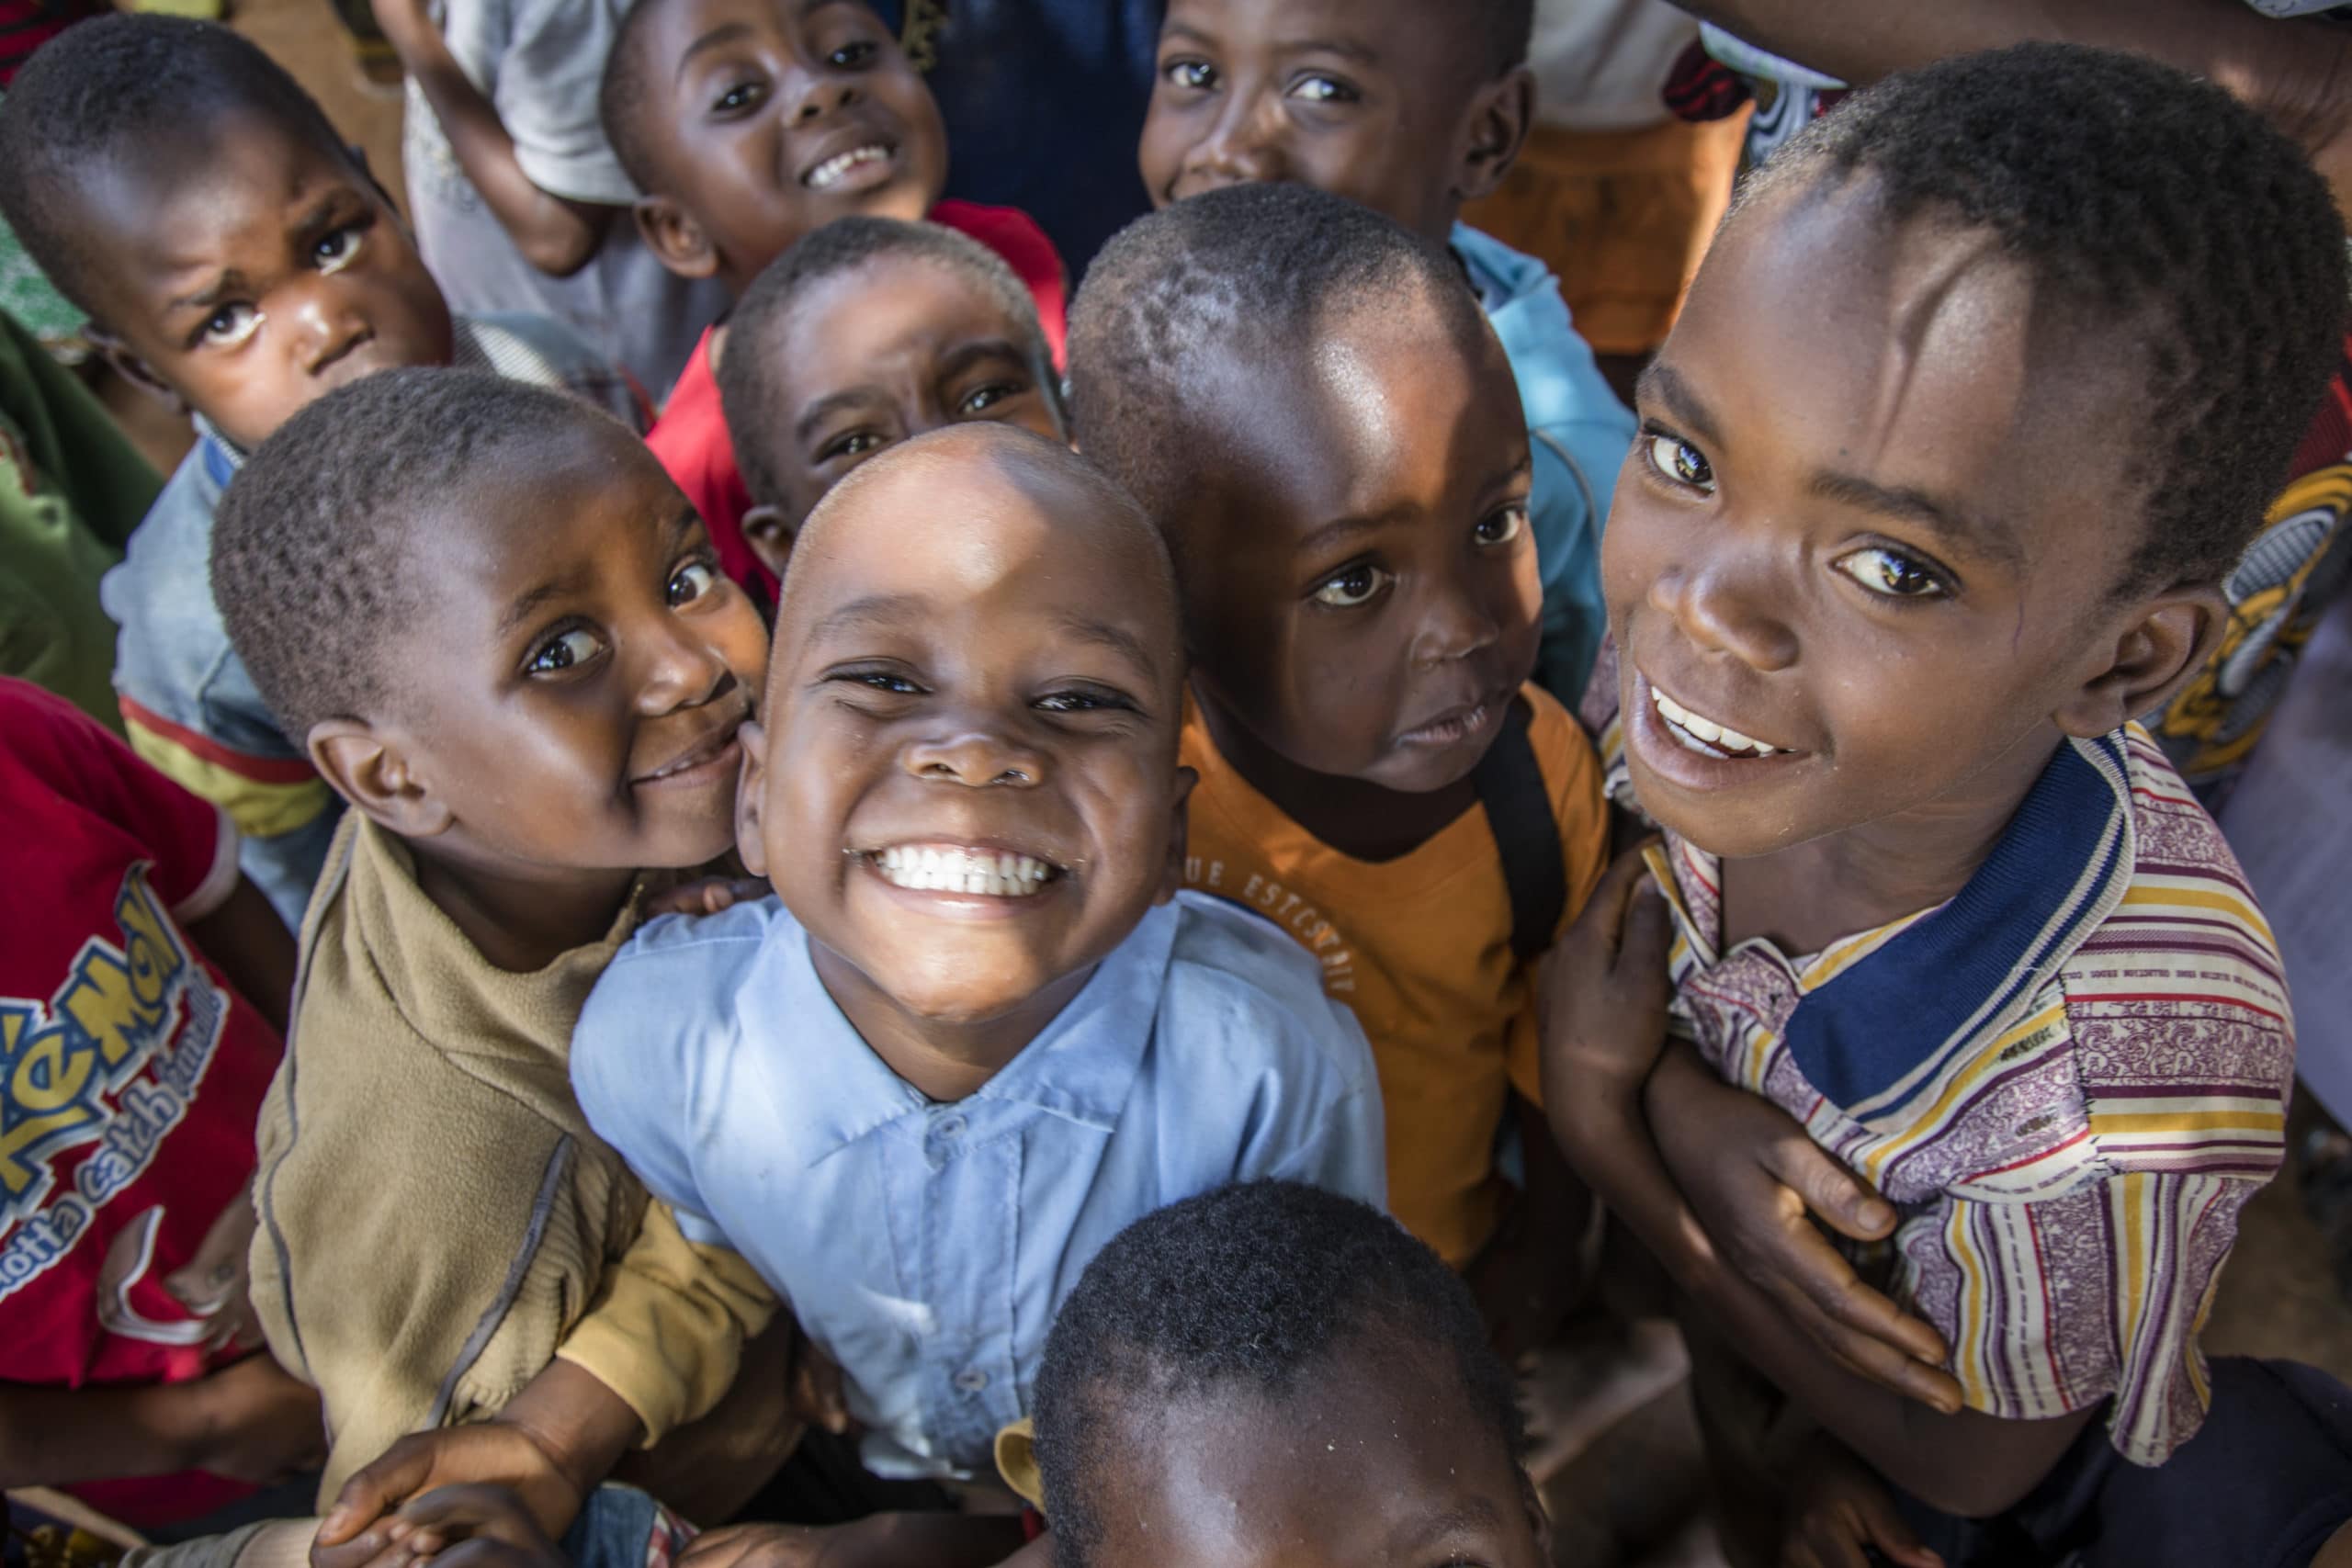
<point x="438" y="1222"/>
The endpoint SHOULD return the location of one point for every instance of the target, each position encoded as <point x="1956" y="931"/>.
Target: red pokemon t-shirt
<point x="130" y="1073"/>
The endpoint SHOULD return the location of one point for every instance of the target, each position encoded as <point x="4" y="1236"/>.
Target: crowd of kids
<point x="757" y="866"/>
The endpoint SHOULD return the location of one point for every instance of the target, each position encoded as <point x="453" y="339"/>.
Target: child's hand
<point x="1754" y="1178"/>
<point x="1841" y="1513"/>
<point x="258" y="1422"/>
<point x="474" y="1527"/>
<point x="362" y="1530"/>
<point x="212" y="1284"/>
<point x="708" y="895"/>
<point x="1605" y="990"/>
<point x="815" y="1380"/>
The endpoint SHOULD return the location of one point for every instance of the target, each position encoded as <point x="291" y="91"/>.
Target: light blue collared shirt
<point x="926" y="1247"/>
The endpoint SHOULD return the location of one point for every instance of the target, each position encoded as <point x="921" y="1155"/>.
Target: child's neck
<point x="1808" y="896"/>
<point x="1365" y="821"/>
<point x="944" y="1061"/>
<point x="523" y="923"/>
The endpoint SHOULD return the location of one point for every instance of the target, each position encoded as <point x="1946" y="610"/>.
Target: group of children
<point x="874" y="950"/>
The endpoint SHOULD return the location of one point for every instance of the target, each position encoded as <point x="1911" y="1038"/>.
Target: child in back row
<point x="502" y="637"/>
<point x="1413" y="109"/>
<point x="235" y="256"/>
<point x="867" y="332"/>
<point x="1979" y="395"/>
<point x="1316" y="415"/>
<point x="749" y="124"/>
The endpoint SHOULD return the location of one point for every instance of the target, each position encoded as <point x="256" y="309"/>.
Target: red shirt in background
<point x="691" y="436"/>
<point x="130" y="1073"/>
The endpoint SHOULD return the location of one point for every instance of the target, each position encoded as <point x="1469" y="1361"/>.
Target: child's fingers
<point x="372" y="1493"/>
<point x="1829" y="1189"/>
<point x="1884" y="1526"/>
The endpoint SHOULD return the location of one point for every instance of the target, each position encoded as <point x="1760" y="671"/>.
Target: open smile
<point x="1457" y="725"/>
<point x="1708" y="738"/>
<point x="969" y="869"/>
<point x="1696" y="751"/>
<point x="717" y="754"/>
<point x="856" y="169"/>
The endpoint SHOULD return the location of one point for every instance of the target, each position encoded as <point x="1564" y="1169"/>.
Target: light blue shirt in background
<point x="1579" y="433"/>
<point x="926" y="1247"/>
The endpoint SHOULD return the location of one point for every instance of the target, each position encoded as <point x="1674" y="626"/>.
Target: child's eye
<point x="1324" y="90"/>
<point x="857" y="443"/>
<point x="982" y="399"/>
<point x="736" y="99"/>
<point x="881" y="681"/>
<point x="229" y="325"/>
<point x="690" y="582"/>
<point x="338" y="250"/>
<point x="1891" y="573"/>
<point x="853" y="56"/>
<point x="1196" y="75"/>
<point x="1678" y="460"/>
<point x="1503" y="526"/>
<point x="1083" y="700"/>
<point x="1354" y="585"/>
<point x="569" y="651"/>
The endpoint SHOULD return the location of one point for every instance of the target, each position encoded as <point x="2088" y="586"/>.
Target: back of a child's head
<point x="764" y="388"/>
<point x="1249" y="1307"/>
<point x="747" y="124"/>
<point x="1203" y="296"/>
<point x="2195" y="234"/>
<point x="318" y="540"/>
<point x="129" y="91"/>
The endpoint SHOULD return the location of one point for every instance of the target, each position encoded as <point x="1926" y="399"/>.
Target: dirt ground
<point x="1639" y="1496"/>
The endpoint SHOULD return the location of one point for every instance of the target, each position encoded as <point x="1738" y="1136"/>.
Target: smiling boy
<point x="502" y="637"/>
<point x="977" y="1030"/>
<point x="871" y="331"/>
<point x="1979" y="395"/>
<point x="1412" y="109"/>
<point x="236" y="257"/>
<point x="749" y="124"/>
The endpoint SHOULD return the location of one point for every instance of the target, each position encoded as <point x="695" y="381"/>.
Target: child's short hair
<point x="1508" y="24"/>
<point x="749" y="378"/>
<point x="1259" y="267"/>
<point x="621" y="95"/>
<point x="117" y="87"/>
<point x="2145" y="198"/>
<point x="1252" y="1286"/>
<point x="312" y="540"/>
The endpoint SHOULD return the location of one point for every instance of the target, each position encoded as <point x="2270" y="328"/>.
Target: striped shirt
<point x="2068" y="1078"/>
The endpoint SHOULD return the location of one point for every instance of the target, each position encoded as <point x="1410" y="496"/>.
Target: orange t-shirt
<point x="1420" y="947"/>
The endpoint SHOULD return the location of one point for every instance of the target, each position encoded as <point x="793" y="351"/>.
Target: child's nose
<point x="682" y="672"/>
<point x="1458" y="625"/>
<point x="1727" y="607"/>
<point x="821" y="95"/>
<point x="1240" y="149"/>
<point x="976" y="755"/>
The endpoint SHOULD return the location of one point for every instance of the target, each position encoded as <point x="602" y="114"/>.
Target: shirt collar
<point x="1877" y="1013"/>
<point x="1080" y="1067"/>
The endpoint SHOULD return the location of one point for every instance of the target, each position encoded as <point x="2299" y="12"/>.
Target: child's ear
<point x="1178" y="840"/>
<point x="372" y="774"/>
<point x="675" y="238"/>
<point x="132" y="368"/>
<point x="769" y="537"/>
<point x="1501" y="114"/>
<point x="750" y="789"/>
<point x="2169" y="640"/>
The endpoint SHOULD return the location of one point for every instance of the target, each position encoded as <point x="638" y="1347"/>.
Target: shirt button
<point x="951" y="1127"/>
<point x="971" y="1380"/>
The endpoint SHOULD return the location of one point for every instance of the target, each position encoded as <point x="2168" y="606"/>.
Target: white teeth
<point x="1689" y="727"/>
<point x="995" y="875"/>
<point x="832" y="171"/>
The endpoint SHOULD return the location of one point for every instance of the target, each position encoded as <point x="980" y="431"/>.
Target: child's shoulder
<point x="1236" y="977"/>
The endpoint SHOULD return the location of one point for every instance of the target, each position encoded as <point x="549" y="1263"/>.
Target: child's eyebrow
<point x="1468" y="1516"/>
<point x="212" y="294"/>
<point x="831" y="403"/>
<point x="1989" y="535"/>
<point x="1661" y="383"/>
<point x="1118" y="640"/>
<point x="874" y="609"/>
<point x="718" y="37"/>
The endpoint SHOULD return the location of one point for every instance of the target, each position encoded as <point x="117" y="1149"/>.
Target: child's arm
<point x="249" y="1422"/>
<point x="2291" y="70"/>
<point x="1840" y="1515"/>
<point x="554" y="233"/>
<point x="1605" y="1021"/>
<point x="1530" y="1274"/>
<point x="253" y="949"/>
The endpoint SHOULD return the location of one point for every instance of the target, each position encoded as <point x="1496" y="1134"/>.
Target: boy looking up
<point x="234" y="255"/>
<point x="1320" y="420"/>
<point x="499" y="631"/>
<point x="1412" y="109"/>
<point x="1981" y="392"/>
<point x="869" y="331"/>
<point x="1272" y="1375"/>
<point x="749" y="124"/>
